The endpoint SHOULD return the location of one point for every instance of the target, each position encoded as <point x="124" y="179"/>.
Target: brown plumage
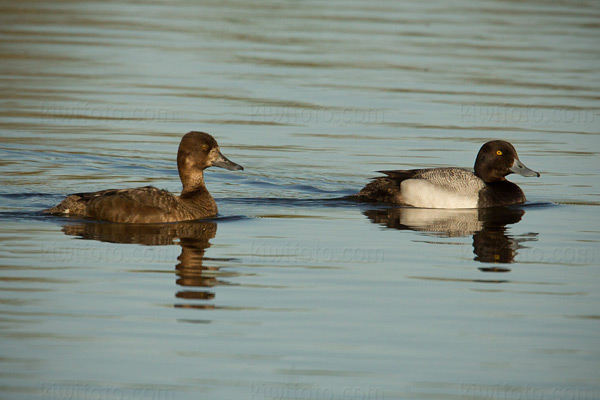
<point x="197" y="151"/>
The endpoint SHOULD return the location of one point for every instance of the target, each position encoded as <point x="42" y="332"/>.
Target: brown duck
<point x="197" y="151"/>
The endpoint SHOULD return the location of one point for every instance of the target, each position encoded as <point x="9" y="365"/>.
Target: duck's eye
<point x="499" y="152"/>
<point x="204" y="147"/>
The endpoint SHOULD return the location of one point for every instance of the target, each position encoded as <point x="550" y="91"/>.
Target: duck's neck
<point x="196" y="196"/>
<point x="488" y="176"/>
<point x="193" y="182"/>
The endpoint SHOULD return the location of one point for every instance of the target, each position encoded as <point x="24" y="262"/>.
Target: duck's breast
<point x="501" y="193"/>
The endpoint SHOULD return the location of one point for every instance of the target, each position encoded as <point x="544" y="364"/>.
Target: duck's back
<point x="430" y="188"/>
<point x="140" y="205"/>
<point x="458" y="180"/>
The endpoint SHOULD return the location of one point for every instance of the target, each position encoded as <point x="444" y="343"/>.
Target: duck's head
<point x="498" y="158"/>
<point x="199" y="150"/>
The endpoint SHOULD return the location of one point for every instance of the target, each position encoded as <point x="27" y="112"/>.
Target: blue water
<point x="296" y="291"/>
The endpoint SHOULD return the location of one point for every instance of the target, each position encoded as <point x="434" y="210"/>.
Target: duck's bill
<point x="519" y="168"/>
<point x="223" y="162"/>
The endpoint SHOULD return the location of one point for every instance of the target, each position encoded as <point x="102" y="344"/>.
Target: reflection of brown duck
<point x="193" y="237"/>
<point x="491" y="244"/>
<point x="145" y="234"/>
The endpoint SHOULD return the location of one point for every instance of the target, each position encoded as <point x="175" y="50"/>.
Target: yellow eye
<point x="204" y="147"/>
<point x="499" y="152"/>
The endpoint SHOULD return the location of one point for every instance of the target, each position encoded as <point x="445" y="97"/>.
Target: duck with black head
<point x="197" y="151"/>
<point x="455" y="187"/>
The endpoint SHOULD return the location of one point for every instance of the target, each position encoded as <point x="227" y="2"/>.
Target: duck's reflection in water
<point x="491" y="243"/>
<point x="193" y="237"/>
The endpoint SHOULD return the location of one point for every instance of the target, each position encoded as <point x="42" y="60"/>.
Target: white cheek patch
<point x="213" y="155"/>
<point x="424" y="194"/>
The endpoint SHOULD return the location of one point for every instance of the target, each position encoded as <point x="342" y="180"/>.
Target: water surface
<point x="294" y="291"/>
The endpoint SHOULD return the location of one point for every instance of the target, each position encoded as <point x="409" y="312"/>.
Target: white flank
<point x="422" y="193"/>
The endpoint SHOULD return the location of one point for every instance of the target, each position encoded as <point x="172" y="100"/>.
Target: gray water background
<point x="295" y="292"/>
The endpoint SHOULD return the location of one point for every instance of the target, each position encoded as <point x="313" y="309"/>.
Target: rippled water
<point x="294" y="291"/>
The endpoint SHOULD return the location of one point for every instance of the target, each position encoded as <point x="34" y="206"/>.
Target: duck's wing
<point x="401" y="174"/>
<point x="454" y="180"/>
<point x="139" y="205"/>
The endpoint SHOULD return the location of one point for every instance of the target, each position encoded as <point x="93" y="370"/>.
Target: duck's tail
<point x="383" y="189"/>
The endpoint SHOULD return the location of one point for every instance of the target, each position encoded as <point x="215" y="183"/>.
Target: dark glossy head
<point x="198" y="151"/>
<point x="498" y="158"/>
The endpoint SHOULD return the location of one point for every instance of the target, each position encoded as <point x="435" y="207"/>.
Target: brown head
<point x="198" y="151"/>
<point x="498" y="158"/>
